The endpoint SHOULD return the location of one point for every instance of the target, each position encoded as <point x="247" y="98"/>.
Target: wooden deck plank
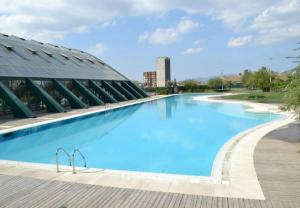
<point x="173" y="200"/>
<point x="130" y="199"/>
<point x="43" y="196"/>
<point x="140" y="199"/>
<point x="109" y="200"/>
<point x="147" y="199"/>
<point x="161" y="197"/>
<point x="183" y="201"/>
<point x="164" y="202"/>
<point x="225" y="202"/>
<point x="178" y="201"/>
<point x="123" y="198"/>
<point x="188" y="202"/>
<point x="214" y="202"/>
<point x="18" y="193"/>
<point x="276" y="161"/>
<point x="90" y="195"/>
<point x="102" y="196"/>
<point x="209" y="202"/>
<point x="35" y="193"/>
<point x="198" y="201"/>
<point x="168" y="200"/>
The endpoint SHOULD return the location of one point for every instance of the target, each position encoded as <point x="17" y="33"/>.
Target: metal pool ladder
<point x="56" y="157"/>
<point x="73" y="159"/>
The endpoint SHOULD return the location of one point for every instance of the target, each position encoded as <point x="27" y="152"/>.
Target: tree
<point x="216" y="83"/>
<point x="278" y="84"/>
<point x="293" y="94"/>
<point x="190" y="85"/>
<point x="249" y="80"/>
<point x="262" y="77"/>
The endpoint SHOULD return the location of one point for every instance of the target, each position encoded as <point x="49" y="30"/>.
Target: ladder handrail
<point x="56" y="156"/>
<point x="73" y="159"/>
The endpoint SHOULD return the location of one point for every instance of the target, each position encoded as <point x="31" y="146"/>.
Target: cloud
<point x="193" y="50"/>
<point x="109" y="24"/>
<point x="276" y="23"/>
<point x="240" y="41"/>
<point x="169" y="35"/>
<point x="98" y="49"/>
<point x="50" y="20"/>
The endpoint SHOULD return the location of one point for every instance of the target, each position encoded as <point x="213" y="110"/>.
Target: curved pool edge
<point x="234" y="162"/>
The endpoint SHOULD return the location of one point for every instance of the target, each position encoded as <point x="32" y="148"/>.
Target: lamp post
<point x="270" y="72"/>
<point x="222" y="80"/>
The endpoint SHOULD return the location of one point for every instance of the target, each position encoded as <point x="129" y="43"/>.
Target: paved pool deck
<point x="279" y="181"/>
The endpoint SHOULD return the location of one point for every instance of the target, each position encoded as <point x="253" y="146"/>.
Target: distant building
<point x="163" y="71"/>
<point x="150" y="79"/>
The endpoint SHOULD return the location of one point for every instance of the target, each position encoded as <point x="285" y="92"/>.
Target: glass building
<point x="36" y="76"/>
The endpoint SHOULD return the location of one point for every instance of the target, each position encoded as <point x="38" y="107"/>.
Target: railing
<point x="73" y="159"/>
<point x="56" y="156"/>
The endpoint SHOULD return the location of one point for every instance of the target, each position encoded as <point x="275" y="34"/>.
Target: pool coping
<point x="216" y="185"/>
<point x="218" y="169"/>
<point x="103" y="108"/>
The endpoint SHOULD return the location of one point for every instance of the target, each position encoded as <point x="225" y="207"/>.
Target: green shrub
<point x="160" y="90"/>
<point x="198" y="88"/>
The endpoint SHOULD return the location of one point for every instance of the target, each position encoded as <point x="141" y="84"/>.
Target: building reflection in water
<point x="166" y="106"/>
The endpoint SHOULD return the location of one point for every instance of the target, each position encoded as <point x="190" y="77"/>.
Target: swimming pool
<point x="176" y="135"/>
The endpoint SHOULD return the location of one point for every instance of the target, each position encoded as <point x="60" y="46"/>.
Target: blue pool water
<point x="176" y="135"/>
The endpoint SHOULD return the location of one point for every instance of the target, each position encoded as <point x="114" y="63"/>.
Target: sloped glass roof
<point x="27" y="58"/>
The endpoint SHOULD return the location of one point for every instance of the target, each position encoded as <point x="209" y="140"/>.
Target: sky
<point x="203" y="38"/>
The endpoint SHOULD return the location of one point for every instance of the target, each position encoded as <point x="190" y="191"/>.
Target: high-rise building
<point x="150" y="79"/>
<point x="163" y="71"/>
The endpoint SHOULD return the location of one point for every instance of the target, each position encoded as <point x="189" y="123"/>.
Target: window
<point x="78" y="58"/>
<point x="4" y="35"/>
<point x="47" y="53"/>
<point x="32" y="50"/>
<point x="69" y="49"/>
<point x="64" y="55"/>
<point x="101" y="62"/>
<point x="90" y="60"/>
<point x="52" y="45"/>
<point x="8" y="47"/>
<point x="37" y="42"/>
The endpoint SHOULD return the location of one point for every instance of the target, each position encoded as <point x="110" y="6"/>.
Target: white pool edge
<point x="223" y="171"/>
<point x="108" y="107"/>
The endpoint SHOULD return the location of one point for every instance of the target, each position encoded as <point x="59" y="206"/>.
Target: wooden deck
<point x="16" y="191"/>
<point x="277" y="163"/>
